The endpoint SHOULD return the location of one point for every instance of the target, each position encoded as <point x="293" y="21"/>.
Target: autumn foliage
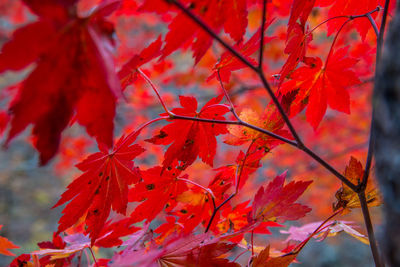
<point x="197" y="176"/>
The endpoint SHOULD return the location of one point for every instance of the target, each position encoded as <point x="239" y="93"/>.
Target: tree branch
<point x="370" y="229"/>
<point x="261" y="53"/>
<point x="266" y="85"/>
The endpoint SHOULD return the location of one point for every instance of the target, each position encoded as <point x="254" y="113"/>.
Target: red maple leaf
<point x="112" y="232"/>
<point x="264" y="259"/>
<point x="56" y="243"/>
<point x="228" y="62"/>
<point x="190" y="139"/>
<point x="158" y="190"/>
<point x="128" y="73"/>
<point x="321" y="85"/>
<point x="228" y="174"/>
<point x="21" y="260"/>
<point x="270" y="120"/>
<point x="276" y="201"/>
<point x="103" y="186"/>
<point x="74" y="74"/>
<point x="296" y="46"/>
<point x="194" y="251"/>
<point x="301" y="9"/>
<point x="230" y="15"/>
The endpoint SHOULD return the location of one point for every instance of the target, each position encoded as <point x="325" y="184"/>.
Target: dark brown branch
<point x="363" y="185"/>
<point x="370" y="229"/>
<point x="205" y="27"/>
<point x="241" y="123"/>
<point x="371" y="145"/>
<point x="266" y="85"/>
<point x="261" y="53"/>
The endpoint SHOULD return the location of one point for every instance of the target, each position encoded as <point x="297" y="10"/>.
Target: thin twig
<point x="227" y="96"/>
<point x="216" y="210"/>
<point x="236" y="189"/>
<point x="240" y="254"/>
<point x="154" y="89"/>
<point x="94" y="258"/>
<point x="208" y="190"/>
<point x="373" y="24"/>
<point x="334" y="41"/>
<point x="343" y="17"/>
<point x="301" y="245"/>
<point x="241" y="167"/>
<point x="252" y="243"/>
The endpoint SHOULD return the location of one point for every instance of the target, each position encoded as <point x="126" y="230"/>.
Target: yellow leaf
<point x="347" y="198"/>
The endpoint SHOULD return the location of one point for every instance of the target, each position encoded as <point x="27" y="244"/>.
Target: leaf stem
<point x="155" y="90"/>
<point x="252" y="243"/>
<point x="334" y="41"/>
<point x="127" y="138"/>
<point x="373" y="24"/>
<point x="216" y="210"/>
<point x="242" y="166"/>
<point x="301" y="245"/>
<point x="227" y="97"/>
<point x="232" y="195"/>
<point x="208" y="190"/>
<point x="94" y="258"/>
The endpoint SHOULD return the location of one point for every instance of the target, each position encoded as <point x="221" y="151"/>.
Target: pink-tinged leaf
<point x="331" y="228"/>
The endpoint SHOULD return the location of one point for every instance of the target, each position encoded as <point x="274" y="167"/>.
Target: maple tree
<point x="268" y="80"/>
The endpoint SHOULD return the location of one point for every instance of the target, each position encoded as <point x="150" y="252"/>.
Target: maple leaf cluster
<point x="187" y="193"/>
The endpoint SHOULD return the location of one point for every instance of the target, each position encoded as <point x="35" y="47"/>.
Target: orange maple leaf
<point x="347" y="198"/>
<point x="5" y="245"/>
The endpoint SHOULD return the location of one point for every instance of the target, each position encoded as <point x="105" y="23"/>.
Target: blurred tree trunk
<point x="387" y="144"/>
